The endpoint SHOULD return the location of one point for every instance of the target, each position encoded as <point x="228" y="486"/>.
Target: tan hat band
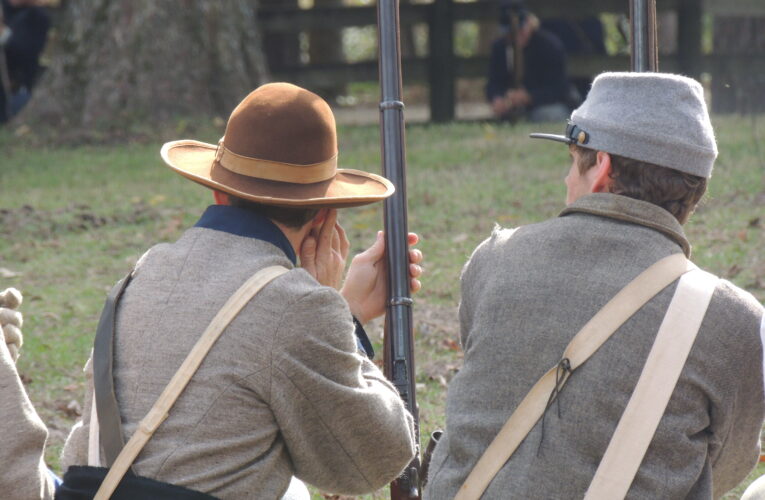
<point x="273" y="170"/>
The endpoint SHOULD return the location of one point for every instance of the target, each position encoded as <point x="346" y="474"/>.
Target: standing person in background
<point x="527" y="69"/>
<point x="289" y="389"/>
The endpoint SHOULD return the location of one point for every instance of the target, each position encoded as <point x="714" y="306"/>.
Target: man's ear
<point x="600" y="180"/>
<point x="221" y="198"/>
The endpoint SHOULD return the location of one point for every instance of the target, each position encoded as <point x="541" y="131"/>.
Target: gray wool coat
<point x="524" y="296"/>
<point x="283" y="392"/>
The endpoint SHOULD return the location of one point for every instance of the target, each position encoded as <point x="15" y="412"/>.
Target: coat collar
<point x="243" y="222"/>
<point x="631" y="210"/>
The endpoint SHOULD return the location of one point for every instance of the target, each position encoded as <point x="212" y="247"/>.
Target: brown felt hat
<point x="280" y="148"/>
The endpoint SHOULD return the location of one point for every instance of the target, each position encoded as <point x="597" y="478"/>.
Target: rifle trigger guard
<point x="391" y="105"/>
<point x="401" y="301"/>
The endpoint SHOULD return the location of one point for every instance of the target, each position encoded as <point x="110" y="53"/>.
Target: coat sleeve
<point x="471" y="281"/>
<point x="738" y="425"/>
<point x="344" y="425"/>
<point x="467" y="287"/>
<point x="549" y="66"/>
<point x="76" y="447"/>
<point x="25" y="475"/>
<point x="498" y="79"/>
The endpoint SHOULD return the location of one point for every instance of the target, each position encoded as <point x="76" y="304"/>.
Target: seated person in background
<point x="24" y="28"/>
<point x="527" y="69"/>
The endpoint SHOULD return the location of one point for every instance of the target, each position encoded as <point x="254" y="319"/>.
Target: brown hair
<point x="674" y="191"/>
<point x="292" y="217"/>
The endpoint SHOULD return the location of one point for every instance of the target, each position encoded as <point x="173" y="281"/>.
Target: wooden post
<point x="689" y="16"/>
<point x="282" y="49"/>
<point x="326" y="47"/>
<point x="738" y="76"/>
<point x="442" y="62"/>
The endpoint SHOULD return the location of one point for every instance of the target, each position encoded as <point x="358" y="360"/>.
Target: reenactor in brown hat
<point x="288" y="388"/>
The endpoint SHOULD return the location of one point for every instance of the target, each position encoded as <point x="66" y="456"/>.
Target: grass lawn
<point x="74" y="220"/>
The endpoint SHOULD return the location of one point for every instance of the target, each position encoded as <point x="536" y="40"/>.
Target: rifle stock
<point x="399" y="349"/>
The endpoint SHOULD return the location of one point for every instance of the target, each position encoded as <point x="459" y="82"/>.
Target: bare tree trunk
<point x="147" y="60"/>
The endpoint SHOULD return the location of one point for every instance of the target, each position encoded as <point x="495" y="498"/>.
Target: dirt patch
<point x="73" y="218"/>
<point x="438" y="355"/>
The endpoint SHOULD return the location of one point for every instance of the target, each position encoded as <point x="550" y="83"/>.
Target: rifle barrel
<point x="399" y="348"/>
<point x="644" y="44"/>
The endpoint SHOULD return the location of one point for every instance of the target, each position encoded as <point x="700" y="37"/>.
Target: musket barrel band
<point x="391" y="105"/>
<point x="401" y="301"/>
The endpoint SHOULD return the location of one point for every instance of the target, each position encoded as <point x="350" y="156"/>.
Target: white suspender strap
<point x="600" y="327"/>
<point x="657" y="381"/>
<point x="94" y="448"/>
<point x="159" y="412"/>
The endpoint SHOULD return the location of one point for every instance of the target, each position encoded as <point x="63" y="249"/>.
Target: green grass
<point x="74" y="219"/>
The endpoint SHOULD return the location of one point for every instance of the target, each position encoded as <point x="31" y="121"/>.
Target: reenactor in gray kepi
<point x="642" y="150"/>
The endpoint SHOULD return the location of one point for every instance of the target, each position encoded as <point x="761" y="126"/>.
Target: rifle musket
<point x="399" y="349"/>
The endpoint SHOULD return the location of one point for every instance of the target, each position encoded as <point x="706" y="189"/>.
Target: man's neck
<point x="294" y="236"/>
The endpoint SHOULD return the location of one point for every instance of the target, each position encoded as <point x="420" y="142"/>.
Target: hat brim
<point x="552" y="137"/>
<point x="348" y="188"/>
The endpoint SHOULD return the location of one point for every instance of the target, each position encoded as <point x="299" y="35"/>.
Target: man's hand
<point x="518" y="98"/>
<point x="499" y="106"/>
<point x="11" y="320"/>
<point x="325" y="250"/>
<point x="366" y="288"/>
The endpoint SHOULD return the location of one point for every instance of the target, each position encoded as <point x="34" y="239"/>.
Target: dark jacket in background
<point x="29" y="27"/>
<point x="544" y="72"/>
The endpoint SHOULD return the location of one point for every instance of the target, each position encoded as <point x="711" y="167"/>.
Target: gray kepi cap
<point x="656" y="118"/>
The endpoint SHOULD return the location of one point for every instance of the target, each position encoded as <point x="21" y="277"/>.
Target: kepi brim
<point x="552" y="137"/>
<point x="196" y="161"/>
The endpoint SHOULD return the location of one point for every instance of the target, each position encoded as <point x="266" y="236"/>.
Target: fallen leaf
<point x="22" y="131"/>
<point x="74" y="408"/>
<point x="70" y="409"/>
<point x="7" y="273"/>
<point x="157" y="199"/>
<point x="734" y="271"/>
<point x="452" y="345"/>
